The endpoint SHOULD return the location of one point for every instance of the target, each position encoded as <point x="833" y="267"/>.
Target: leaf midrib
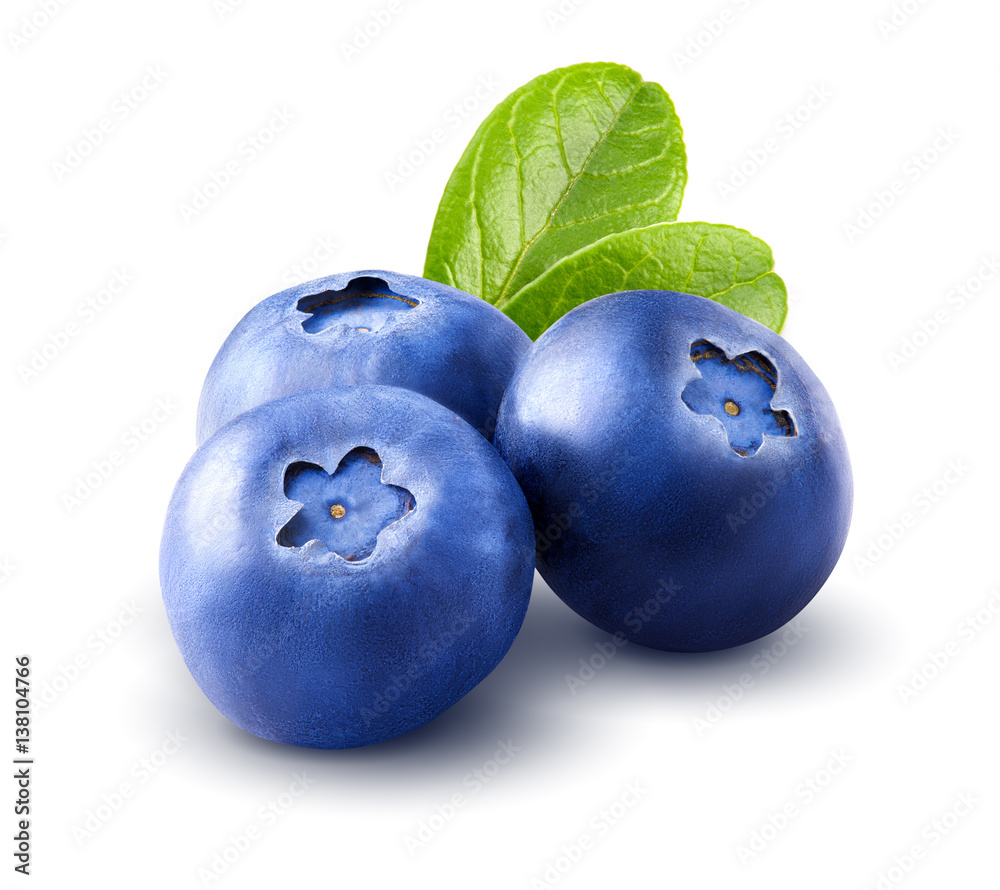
<point x="665" y="228"/>
<point x="502" y="297"/>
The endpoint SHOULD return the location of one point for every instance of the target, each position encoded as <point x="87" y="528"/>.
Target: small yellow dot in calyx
<point x="731" y="407"/>
<point x="337" y="511"/>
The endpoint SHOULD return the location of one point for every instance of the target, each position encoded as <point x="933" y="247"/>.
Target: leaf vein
<point x="569" y="187"/>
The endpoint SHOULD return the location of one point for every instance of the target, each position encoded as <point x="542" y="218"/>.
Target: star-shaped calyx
<point x="344" y="510"/>
<point x="737" y="391"/>
<point x="364" y="305"/>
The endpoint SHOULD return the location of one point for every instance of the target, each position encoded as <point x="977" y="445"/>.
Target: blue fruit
<point x="341" y="566"/>
<point x="366" y="327"/>
<point x="685" y="469"/>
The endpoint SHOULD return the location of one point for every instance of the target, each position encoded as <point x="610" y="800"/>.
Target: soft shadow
<point x="834" y="643"/>
<point x="513" y="703"/>
<point x="527" y="698"/>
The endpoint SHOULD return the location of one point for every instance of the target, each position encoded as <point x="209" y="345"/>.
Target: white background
<point x="703" y="788"/>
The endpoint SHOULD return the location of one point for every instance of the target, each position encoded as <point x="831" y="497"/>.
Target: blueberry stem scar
<point x="365" y="304"/>
<point x="345" y="510"/>
<point x="737" y="391"/>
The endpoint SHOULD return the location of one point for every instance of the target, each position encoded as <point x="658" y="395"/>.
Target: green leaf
<point x="723" y="263"/>
<point x="572" y="156"/>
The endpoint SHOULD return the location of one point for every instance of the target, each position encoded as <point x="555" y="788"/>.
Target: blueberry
<point x="341" y="566"/>
<point x="366" y="327"/>
<point x="686" y="471"/>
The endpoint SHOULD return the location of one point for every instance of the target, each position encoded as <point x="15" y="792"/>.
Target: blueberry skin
<point x="451" y="346"/>
<point x="649" y="520"/>
<point x="298" y="644"/>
